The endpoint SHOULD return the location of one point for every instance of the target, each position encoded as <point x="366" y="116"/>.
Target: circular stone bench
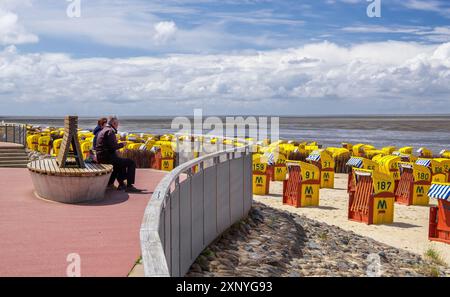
<point x="69" y="185"/>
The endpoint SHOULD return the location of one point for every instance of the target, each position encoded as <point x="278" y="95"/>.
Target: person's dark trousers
<point x="113" y="177"/>
<point x="126" y="170"/>
<point x="123" y="169"/>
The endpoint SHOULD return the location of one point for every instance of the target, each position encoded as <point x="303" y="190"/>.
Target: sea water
<point x="432" y="132"/>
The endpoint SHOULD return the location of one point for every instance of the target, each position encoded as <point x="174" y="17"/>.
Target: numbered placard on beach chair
<point x="280" y="169"/>
<point x="440" y="168"/>
<point x="261" y="177"/>
<point x="167" y="157"/>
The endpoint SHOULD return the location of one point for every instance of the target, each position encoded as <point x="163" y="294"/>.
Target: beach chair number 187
<point x="384" y="186"/>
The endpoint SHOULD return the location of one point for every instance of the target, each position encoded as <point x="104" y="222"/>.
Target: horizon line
<point x="236" y="115"/>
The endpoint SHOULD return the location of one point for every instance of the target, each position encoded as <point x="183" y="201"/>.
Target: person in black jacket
<point x="106" y="147"/>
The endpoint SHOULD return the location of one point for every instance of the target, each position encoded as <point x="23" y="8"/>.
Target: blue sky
<point x="228" y="57"/>
<point x="244" y="25"/>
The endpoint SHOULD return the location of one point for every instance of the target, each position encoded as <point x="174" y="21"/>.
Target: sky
<point x="228" y="57"/>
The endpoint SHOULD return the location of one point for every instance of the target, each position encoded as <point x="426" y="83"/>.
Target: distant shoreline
<point x="156" y="117"/>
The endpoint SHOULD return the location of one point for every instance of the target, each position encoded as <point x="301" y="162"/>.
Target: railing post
<point x="169" y="196"/>
<point x="177" y="151"/>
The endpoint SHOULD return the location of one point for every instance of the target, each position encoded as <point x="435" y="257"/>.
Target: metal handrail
<point x="157" y="204"/>
<point x="163" y="187"/>
<point x="174" y="175"/>
<point x="17" y="129"/>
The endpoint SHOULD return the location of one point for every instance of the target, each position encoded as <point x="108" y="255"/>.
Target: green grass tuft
<point x="434" y="257"/>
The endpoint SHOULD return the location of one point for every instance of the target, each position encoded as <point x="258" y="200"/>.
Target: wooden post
<point x="70" y="138"/>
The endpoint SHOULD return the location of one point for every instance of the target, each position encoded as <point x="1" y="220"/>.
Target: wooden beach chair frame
<point x="294" y="187"/>
<point x="405" y="193"/>
<point x="361" y="204"/>
<point x="319" y="161"/>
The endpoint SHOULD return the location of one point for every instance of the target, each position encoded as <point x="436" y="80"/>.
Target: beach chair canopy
<point x="439" y="191"/>
<point x="402" y="165"/>
<point x="270" y="158"/>
<point x="355" y="162"/>
<point x="362" y="173"/>
<point x="424" y="162"/>
<point x="313" y="157"/>
<point x="401" y="155"/>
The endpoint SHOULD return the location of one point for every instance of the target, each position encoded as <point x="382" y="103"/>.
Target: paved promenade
<point x="37" y="236"/>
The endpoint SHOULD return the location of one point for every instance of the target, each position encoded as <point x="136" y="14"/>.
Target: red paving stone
<point x="37" y="235"/>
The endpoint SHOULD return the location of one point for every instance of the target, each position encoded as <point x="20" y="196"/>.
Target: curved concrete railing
<point x="15" y="133"/>
<point x="190" y="210"/>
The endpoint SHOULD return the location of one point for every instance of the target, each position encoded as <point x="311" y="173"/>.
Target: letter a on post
<point x="74" y="9"/>
<point x="374" y="9"/>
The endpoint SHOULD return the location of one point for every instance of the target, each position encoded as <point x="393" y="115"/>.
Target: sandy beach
<point x="409" y="231"/>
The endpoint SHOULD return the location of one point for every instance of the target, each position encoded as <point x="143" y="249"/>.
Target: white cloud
<point x="436" y="34"/>
<point x="429" y="5"/>
<point x="345" y="1"/>
<point x="437" y="6"/>
<point x="394" y="76"/>
<point x="13" y="32"/>
<point x="164" y="31"/>
<point x="383" y="29"/>
<point x="150" y="25"/>
<point x="257" y="17"/>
